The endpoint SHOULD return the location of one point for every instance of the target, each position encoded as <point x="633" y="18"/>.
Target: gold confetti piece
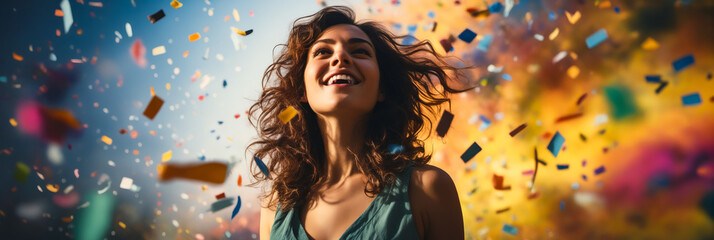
<point x="185" y="54"/>
<point x="230" y="139"/>
<point x="287" y="114"/>
<point x="176" y="4"/>
<point x="605" y="4"/>
<point x="194" y="37"/>
<point x="52" y="188"/>
<point x="13" y="122"/>
<point x="204" y="188"/>
<point x="650" y="44"/>
<point x="574" y="17"/>
<point x="59" y="13"/>
<point x="158" y="50"/>
<point x="574" y="55"/>
<point x="122" y="225"/>
<point x="573" y="71"/>
<point x="153" y="93"/>
<point x="107" y="140"/>
<point x="235" y="15"/>
<point x="168" y="86"/>
<point x="17" y="57"/>
<point x="238" y="31"/>
<point x="67" y="219"/>
<point x="554" y="34"/>
<point x="484" y="82"/>
<point x="166" y="156"/>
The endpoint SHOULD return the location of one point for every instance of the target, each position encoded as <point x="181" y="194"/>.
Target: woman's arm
<point x="267" y="217"/>
<point x="435" y="203"/>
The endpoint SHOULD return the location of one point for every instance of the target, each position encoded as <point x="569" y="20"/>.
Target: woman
<point x="350" y="164"/>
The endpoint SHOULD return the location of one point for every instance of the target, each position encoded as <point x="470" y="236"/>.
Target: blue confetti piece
<point x="709" y="76"/>
<point x="202" y="158"/>
<point x="213" y="130"/>
<point x="397" y="27"/>
<point x="653" y="78"/>
<point x="467" y="35"/>
<point x="585" y="178"/>
<point x="552" y="16"/>
<point x="596" y="38"/>
<point x="507" y="228"/>
<point x="221" y="204"/>
<point x="683" y="62"/>
<point x="431" y="14"/>
<point x="484" y="43"/>
<point x="408" y="40"/>
<point x="691" y="99"/>
<point x="507" y="77"/>
<point x="575" y="186"/>
<point x="496" y="7"/>
<point x="236" y="209"/>
<point x="262" y="166"/>
<point x="617" y="9"/>
<point x="485" y="123"/>
<point x="555" y="144"/>
<point x="3" y="79"/>
<point x="220" y="122"/>
<point x="562" y="205"/>
<point x="225" y="83"/>
<point x="563" y="166"/>
<point x="394" y="148"/>
<point x="471" y="152"/>
<point x="599" y="170"/>
<point x="411" y="29"/>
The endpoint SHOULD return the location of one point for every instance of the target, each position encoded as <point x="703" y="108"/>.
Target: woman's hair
<point x="295" y="151"/>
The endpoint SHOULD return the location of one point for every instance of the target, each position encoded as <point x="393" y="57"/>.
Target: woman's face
<point x="342" y="75"/>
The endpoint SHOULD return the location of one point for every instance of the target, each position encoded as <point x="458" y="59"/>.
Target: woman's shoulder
<point x="428" y="177"/>
<point x="434" y="199"/>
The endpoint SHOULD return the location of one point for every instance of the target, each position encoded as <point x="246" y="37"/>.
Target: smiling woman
<point x="333" y="172"/>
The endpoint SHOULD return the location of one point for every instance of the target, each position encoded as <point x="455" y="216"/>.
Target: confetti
<point x="498" y="183"/>
<point x="236" y="209"/>
<point x="262" y="167"/>
<point x="471" y="152"/>
<point x="235" y="15"/>
<point x="194" y="37"/>
<point x="67" y="18"/>
<point x="599" y="170"/>
<point x="242" y="33"/>
<point x="21" y="172"/>
<point x="287" y="114"/>
<point x="683" y="62"/>
<point x="106" y="140"/>
<point x="495" y="7"/>
<point x="153" y="18"/>
<point x="573" y="18"/>
<point x="153" y="108"/>
<point x="467" y="35"/>
<point x="554" y="34"/>
<point x="221" y="204"/>
<point x="446" y="45"/>
<point x="555" y="144"/>
<point x="126" y="183"/>
<point x="240" y="180"/>
<point x="395" y="148"/>
<point x="158" y="50"/>
<point x="129" y="31"/>
<point x="653" y="78"/>
<point x="596" y="38"/>
<point x="517" y="130"/>
<point x="650" y="44"/>
<point x="13" y="122"/>
<point x="76" y="173"/>
<point x="661" y="86"/>
<point x="210" y="172"/>
<point x="138" y="53"/>
<point x="691" y="99"/>
<point x="444" y="123"/>
<point x="507" y="228"/>
<point x="176" y="4"/>
<point x="220" y="196"/>
<point x="563" y="166"/>
<point x="166" y="156"/>
<point x="17" y="57"/>
<point x="122" y="225"/>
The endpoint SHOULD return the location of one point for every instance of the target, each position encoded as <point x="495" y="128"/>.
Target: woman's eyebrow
<point x="352" y="40"/>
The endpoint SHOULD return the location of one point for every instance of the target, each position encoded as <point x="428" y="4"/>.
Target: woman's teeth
<point x="339" y="79"/>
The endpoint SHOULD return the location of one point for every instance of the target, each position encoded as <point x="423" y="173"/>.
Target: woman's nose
<point x="341" y="58"/>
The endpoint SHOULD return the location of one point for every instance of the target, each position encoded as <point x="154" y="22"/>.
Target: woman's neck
<point x="340" y="136"/>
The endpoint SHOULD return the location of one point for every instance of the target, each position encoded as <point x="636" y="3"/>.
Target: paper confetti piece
<point x="683" y="62"/>
<point x="444" y="123"/>
<point x="573" y="71"/>
<point x="692" y="99"/>
<point x="210" y="172"/>
<point x="599" y="170"/>
<point x="495" y="7"/>
<point x="17" y="57"/>
<point x="471" y="152"/>
<point x="129" y="31"/>
<point x="122" y="225"/>
<point x="166" y="156"/>
<point x="554" y="34"/>
<point x="194" y="37"/>
<point x="240" y="180"/>
<point x="395" y="148"/>
<point x="158" y="50"/>
<point x="67" y="18"/>
<point x="650" y="44"/>
<point x="236" y="209"/>
<point x="661" y="86"/>
<point x="262" y="166"/>
<point x="517" y="130"/>
<point x="21" y="172"/>
<point x="446" y="45"/>
<point x="153" y="18"/>
<point x="507" y="228"/>
<point x="596" y="38"/>
<point x="563" y="166"/>
<point x="287" y="114"/>
<point x="556" y="143"/>
<point x="13" y="122"/>
<point x="242" y="33"/>
<point x="573" y="18"/>
<point x="59" y="13"/>
<point x="106" y="140"/>
<point x="126" y="183"/>
<point x="221" y="204"/>
<point x="220" y="196"/>
<point x="235" y="15"/>
<point x="467" y="35"/>
<point x="653" y="78"/>
<point x="76" y="173"/>
<point x="498" y="183"/>
<point x="176" y="4"/>
<point x="153" y="108"/>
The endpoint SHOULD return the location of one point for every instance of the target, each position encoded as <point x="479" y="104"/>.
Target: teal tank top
<point x="389" y="216"/>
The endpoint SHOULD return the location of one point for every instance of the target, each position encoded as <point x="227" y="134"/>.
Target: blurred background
<point x="595" y="119"/>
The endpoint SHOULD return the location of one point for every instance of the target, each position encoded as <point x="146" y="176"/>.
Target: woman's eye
<point x="363" y="51"/>
<point x="321" y="51"/>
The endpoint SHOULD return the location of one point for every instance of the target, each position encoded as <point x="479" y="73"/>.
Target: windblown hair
<point x="294" y="151"/>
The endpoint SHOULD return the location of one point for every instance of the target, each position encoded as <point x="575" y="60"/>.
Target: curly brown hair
<point x="295" y="150"/>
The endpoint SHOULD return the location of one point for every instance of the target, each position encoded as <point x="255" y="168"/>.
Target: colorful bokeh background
<point x="595" y="119"/>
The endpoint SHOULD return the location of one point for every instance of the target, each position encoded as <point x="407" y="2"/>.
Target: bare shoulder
<point x="435" y="203"/>
<point x="267" y="217"/>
